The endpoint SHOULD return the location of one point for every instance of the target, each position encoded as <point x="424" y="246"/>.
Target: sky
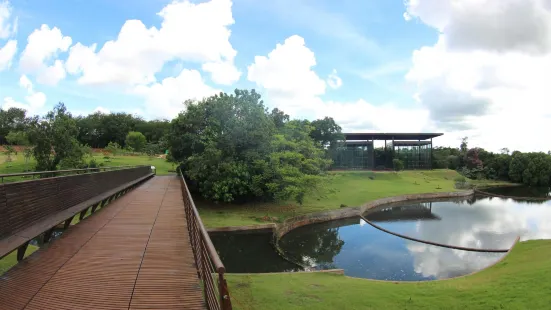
<point x="475" y="68"/>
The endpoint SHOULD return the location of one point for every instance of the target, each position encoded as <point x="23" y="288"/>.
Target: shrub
<point x="398" y="164"/>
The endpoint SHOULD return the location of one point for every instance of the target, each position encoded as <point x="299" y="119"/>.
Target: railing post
<point x="225" y="301"/>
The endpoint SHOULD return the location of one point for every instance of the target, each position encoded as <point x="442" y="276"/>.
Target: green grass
<point x="521" y="281"/>
<point x="349" y="188"/>
<point x="17" y="164"/>
<point x="11" y="259"/>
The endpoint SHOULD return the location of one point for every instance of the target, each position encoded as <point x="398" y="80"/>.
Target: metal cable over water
<point x="434" y="243"/>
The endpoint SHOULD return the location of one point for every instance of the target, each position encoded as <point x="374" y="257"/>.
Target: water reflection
<point x="520" y="191"/>
<point x="366" y="252"/>
<point x="482" y="222"/>
<point x="250" y="253"/>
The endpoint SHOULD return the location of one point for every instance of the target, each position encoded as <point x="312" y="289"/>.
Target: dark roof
<point x="410" y="143"/>
<point x="390" y="136"/>
<point x="417" y="212"/>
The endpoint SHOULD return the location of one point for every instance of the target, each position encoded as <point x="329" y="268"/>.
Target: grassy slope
<point x="521" y="281"/>
<point x="349" y="188"/>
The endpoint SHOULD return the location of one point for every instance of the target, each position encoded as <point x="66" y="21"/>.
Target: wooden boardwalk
<point x="133" y="254"/>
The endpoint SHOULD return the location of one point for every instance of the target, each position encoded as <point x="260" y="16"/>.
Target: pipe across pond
<point x="434" y="243"/>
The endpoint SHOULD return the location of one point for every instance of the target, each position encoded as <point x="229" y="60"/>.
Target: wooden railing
<point x="209" y="266"/>
<point x="54" y="173"/>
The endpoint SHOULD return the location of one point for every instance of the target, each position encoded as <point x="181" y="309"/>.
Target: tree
<point x="279" y="118"/>
<point x="114" y="148"/>
<point x="53" y="138"/>
<point x="326" y="132"/>
<point x="13" y="119"/>
<point x="398" y="164"/>
<point x="17" y="138"/>
<point x="229" y="146"/>
<point x="136" y="140"/>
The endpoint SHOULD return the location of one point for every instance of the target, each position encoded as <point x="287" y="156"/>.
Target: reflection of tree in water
<point x="314" y="245"/>
<point x="250" y="252"/>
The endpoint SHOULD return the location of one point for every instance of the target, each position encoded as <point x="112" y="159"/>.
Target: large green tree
<point x="230" y="145"/>
<point x="54" y="140"/>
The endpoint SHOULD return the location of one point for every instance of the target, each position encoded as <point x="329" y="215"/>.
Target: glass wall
<point x="353" y="155"/>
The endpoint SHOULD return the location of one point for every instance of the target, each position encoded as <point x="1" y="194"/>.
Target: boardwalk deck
<point x="134" y="254"/>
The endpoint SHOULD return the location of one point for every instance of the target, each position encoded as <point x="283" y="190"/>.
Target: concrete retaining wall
<point x="307" y="219"/>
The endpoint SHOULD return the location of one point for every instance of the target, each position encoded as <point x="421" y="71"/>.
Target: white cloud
<point x="43" y="46"/>
<point x="333" y="80"/>
<point x="287" y="77"/>
<point x="486" y="75"/>
<point x="166" y="99"/>
<point x="189" y="32"/>
<point x="101" y="110"/>
<point x="7" y="26"/>
<point x="34" y="101"/>
<point x="289" y="82"/>
<point x="7" y="52"/>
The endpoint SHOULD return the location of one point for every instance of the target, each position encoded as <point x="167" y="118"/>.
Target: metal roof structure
<point x="391" y="136"/>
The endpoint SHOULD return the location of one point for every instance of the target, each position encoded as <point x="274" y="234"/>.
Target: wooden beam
<point x="48" y="235"/>
<point x="68" y="222"/>
<point x="21" y="251"/>
<point x="82" y="214"/>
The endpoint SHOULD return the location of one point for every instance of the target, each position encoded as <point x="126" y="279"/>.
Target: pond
<point x="366" y="252"/>
<point x="250" y="253"/>
<point x="520" y="191"/>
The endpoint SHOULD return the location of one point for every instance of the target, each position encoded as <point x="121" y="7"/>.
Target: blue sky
<point x="372" y="58"/>
<point x="414" y="65"/>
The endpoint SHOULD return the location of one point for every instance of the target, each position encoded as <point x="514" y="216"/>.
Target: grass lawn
<point x="11" y="259"/>
<point x="521" y="281"/>
<point x="17" y="164"/>
<point x="349" y="188"/>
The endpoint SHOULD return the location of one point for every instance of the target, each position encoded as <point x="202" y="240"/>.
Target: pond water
<point x="520" y="191"/>
<point x="366" y="252"/>
<point x="250" y="253"/>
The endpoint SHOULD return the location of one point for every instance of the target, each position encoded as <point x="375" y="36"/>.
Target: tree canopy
<point x="54" y="140"/>
<point x="234" y="149"/>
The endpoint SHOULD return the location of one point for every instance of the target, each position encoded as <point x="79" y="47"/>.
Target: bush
<point x="92" y="164"/>
<point x="136" y="140"/>
<point x="398" y="164"/>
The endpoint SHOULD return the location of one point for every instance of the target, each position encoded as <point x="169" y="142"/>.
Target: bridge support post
<point x="68" y="222"/>
<point x="48" y="235"/>
<point x="21" y="251"/>
<point x="94" y="207"/>
<point x="82" y="214"/>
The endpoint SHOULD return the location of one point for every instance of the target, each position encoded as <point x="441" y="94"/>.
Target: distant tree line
<point x="533" y="168"/>
<point x="61" y="140"/>
<point x="95" y="130"/>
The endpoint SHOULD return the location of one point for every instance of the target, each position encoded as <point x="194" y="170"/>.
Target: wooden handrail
<point x="205" y="254"/>
<point x="54" y="172"/>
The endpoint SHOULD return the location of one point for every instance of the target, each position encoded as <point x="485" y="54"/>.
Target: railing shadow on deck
<point x="209" y="266"/>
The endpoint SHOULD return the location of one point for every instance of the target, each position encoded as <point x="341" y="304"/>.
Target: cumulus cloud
<point x="43" y="47"/>
<point x="333" y="80"/>
<point x="290" y="83"/>
<point x="8" y="27"/>
<point x="485" y="76"/>
<point x="189" y="32"/>
<point x="166" y="98"/>
<point x="34" y="101"/>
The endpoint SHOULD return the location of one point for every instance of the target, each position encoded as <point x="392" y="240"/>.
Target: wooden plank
<point x="133" y="254"/>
